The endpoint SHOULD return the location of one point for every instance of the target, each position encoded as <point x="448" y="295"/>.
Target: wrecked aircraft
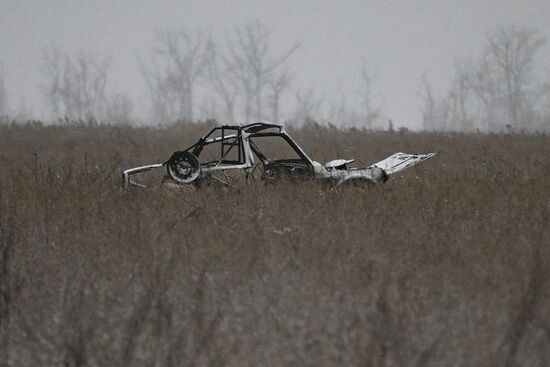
<point x="267" y="151"/>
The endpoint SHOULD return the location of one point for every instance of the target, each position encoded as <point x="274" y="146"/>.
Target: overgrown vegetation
<point x="446" y="265"/>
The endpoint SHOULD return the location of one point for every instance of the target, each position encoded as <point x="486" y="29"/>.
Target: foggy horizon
<point x="398" y="42"/>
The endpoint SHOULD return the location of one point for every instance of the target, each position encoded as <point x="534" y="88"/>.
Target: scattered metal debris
<point x="253" y="150"/>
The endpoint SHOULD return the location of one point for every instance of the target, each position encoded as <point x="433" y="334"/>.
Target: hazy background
<point x="399" y="41"/>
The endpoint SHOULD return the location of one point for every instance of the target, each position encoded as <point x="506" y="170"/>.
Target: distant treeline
<point x="192" y="75"/>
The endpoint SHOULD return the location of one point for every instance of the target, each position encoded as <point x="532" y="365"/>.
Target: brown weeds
<point x="445" y="265"/>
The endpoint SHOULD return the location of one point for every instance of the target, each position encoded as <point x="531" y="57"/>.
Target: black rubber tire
<point x="183" y="167"/>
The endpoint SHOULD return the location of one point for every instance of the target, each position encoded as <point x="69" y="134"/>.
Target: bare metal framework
<point x="238" y="151"/>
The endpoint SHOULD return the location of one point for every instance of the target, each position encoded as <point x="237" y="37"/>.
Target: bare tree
<point x="119" y="109"/>
<point x="429" y="121"/>
<point x="75" y="86"/>
<point x="544" y="123"/>
<point x="460" y="95"/>
<point x="502" y="79"/>
<point x="254" y="67"/>
<point x="278" y="86"/>
<point x="176" y="63"/>
<point x="511" y="51"/>
<point x="3" y="97"/>
<point x="435" y="112"/>
<point x="493" y="92"/>
<point x="340" y="113"/>
<point x="222" y="80"/>
<point x="370" y="110"/>
<point x="307" y="106"/>
<point x="458" y="104"/>
<point x="481" y="79"/>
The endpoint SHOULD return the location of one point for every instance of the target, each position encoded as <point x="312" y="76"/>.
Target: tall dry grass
<point x="447" y="265"/>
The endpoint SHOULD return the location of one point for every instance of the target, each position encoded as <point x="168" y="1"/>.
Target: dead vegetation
<point x="445" y="266"/>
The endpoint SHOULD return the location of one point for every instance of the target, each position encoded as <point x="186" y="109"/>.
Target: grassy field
<point x="448" y="265"/>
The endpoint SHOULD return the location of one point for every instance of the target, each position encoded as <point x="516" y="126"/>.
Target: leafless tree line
<point x="192" y="75"/>
<point x="496" y="91"/>
<point x="238" y="77"/>
<point x="363" y="108"/>
<point x="360" y="108"/>
<point x="175" y="65"/>
<point x="76" y="88"/>
<point x="243" y="73"/>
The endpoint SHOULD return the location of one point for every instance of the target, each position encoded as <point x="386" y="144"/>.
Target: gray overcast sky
<point x="400" y="40"/>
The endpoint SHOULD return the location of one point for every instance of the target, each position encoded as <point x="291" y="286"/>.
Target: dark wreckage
<point x="267" y="151"/>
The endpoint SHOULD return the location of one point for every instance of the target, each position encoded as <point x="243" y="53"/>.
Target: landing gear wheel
<point x="183" y="167"/>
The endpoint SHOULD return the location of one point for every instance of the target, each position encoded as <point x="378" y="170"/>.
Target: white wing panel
<point x="401" y="161"/>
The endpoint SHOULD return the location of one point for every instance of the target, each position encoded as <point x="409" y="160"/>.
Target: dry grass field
<point x="447" y="265"/>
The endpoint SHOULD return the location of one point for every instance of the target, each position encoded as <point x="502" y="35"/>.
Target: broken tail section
<point x="401" y="161"/>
